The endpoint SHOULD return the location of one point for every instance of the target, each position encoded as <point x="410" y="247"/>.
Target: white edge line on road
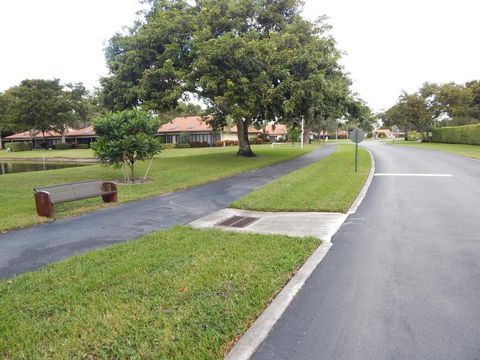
<point x="415" y="175"/>
<point x="262" y="326"/>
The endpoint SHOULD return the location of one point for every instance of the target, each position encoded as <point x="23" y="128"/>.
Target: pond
<point x="8" y="167"/>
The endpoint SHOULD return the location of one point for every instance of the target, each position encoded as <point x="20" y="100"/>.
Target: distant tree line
<point x="435" y="105"/>
<point x="41" y="105"/>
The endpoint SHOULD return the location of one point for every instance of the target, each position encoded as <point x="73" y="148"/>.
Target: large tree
<point x="418" y="111"/>
<point x="5" y="121"/>
<point x="250" y="61"/>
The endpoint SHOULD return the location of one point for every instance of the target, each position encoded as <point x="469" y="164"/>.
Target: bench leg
<point x="109" y="186"/>
<point x="109" y="198"/>
<point x="44" y="204"/>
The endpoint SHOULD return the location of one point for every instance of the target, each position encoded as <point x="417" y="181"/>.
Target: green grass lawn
<point x="472" y="151"/>
<point x="173" y="170"/>
<point x="88" y="153"/>
<point x="175" y="294"/>
<point x="329" y="184"/>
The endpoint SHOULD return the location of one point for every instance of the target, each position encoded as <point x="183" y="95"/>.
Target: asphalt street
<point x="27" y="249"/>
<point x="402" y="279"/>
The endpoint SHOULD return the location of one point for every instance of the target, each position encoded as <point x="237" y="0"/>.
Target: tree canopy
<point x="250" y="61"/>
<point x="125" y="137"/>
<point x="435" y="105"/>
<point x="43" y="105"/>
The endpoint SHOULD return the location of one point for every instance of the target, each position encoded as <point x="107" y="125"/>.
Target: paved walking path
<point x="402" y="279"/>
<point x="25" y="250"/>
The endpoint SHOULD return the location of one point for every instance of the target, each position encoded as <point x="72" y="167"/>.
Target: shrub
<point x="182" y="146"/>
<point x="18" y="146"/>
<point x="467" y="134"/>
<point x="226" y="143"/>
<point x="197" y="144"/>
<point x="413" y="136"/>
<point x="83" y="146"/>
<point x="259" y="141"/>
<point x="62" y="146"/>
<point x="184" y="138"/>
<point x="168" y="146"/>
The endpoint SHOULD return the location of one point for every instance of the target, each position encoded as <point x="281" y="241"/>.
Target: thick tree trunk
<point x="243" y="143"/>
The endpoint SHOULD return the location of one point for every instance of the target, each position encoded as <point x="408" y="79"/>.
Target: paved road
<point x="402" y="280"/>
<point x="25" y="250"/>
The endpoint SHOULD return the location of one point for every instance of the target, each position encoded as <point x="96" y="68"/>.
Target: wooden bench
<point x="48" y="196"/>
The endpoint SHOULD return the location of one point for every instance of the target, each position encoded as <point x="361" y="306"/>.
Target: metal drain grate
<point x="238" y="221"/>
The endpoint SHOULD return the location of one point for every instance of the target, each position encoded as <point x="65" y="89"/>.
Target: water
<point x="9" y="167"/>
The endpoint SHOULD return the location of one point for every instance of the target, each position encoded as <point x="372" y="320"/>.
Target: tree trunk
<point x="306" y="135"/>
<point x="243" y="143"/>
<point x="1" y="145"/>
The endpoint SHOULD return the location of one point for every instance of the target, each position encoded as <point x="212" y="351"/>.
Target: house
<point x="195" y="127"/>
<point x="50" y="138"/>
<point x="199" y="130"/>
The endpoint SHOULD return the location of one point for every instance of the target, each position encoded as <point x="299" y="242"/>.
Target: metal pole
<point x="356" y="149"/>
<point x="301" y="138"/>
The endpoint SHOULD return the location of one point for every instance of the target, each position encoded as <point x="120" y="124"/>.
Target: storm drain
<point x="238" y="221"/>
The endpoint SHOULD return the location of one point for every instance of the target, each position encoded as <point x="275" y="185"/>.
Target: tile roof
<point x="183" y="124"/>
<point x="179" y="124"/>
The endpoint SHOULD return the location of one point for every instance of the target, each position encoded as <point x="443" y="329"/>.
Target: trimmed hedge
<point x="197" y="144"/>
<point x="19" y="146"/>
<point x="83" y="146"/>
<point x="62" y="146"/>
<point x="182" y="146"/>
<point x="467" y="134"/>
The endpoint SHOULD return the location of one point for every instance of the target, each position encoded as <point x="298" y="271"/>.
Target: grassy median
<point x="175" y="294"/>
<point x="172" y="170"/>
<point x="472" y="151"/>
<point x="329" y="185"/>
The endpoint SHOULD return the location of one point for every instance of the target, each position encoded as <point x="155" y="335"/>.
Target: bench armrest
<point x="43" y="203"/>
<point x="111" y="188"/>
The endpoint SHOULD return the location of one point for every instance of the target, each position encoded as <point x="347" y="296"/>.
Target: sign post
<point x="357" y="137"/>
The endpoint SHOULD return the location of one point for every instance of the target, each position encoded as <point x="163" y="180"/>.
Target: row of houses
<point x="195" y="126"/>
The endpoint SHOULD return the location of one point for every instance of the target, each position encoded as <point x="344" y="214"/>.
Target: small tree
<point x="294" y="134"/>
<point x="126" y="137"/>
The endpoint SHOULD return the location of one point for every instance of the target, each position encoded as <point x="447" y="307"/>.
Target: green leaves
<point x="126" y="137"/>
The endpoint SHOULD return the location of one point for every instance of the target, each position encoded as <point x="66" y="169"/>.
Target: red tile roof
<point x="87" y="131"/>
<point x="184" y="124"/>
<point x="27" y="136"/>
<point x="179" y="124"/>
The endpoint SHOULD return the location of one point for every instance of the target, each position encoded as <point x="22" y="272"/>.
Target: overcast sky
<point x="391" y="45"/>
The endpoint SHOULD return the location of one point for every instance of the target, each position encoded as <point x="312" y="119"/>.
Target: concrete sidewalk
<point x="27" y="249"/>
<point x="317" y="224"/>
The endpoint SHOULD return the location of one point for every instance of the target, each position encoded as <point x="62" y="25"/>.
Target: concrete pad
<point x="316" y="224"/>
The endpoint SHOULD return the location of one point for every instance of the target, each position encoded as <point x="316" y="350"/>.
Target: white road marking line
<point x="418" y="175"/>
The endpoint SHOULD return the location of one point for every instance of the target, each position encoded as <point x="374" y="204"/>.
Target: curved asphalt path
<point x="402" y="279"/>
<point x="25" y="250"/>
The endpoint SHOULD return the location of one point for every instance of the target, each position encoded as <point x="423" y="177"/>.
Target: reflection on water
<point x="8" y="167"/>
